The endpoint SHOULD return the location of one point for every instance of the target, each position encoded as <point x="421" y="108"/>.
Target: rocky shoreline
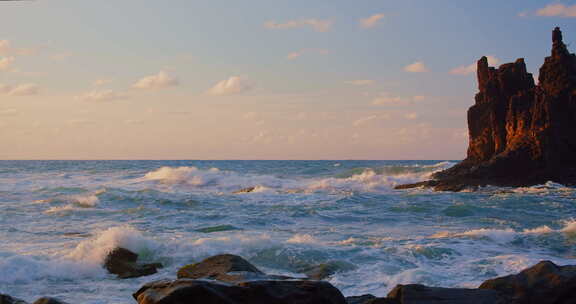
<point x="230" y="279"/>
<point x="521" y="134"/>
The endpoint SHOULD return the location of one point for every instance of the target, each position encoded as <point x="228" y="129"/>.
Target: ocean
<point x="58" y="219"/>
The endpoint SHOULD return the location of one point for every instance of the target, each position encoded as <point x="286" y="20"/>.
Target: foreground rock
<point x="6" y="299"/>
<point x="199" y="291"/>
<point x="543" y="283"/>
<point x="420" y="294"/>
<point x="521" y="134"/>
<point x="48" y="300"/>
<point x="123" y="263"/>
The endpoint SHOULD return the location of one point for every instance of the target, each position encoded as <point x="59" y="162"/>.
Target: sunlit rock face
<point x="520" y="133"/>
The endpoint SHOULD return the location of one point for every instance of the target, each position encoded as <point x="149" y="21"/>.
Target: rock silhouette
<point x="521" y="134"/>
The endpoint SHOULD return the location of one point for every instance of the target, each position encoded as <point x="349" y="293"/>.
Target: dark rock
<point x="543" y="283"/>
<point x="520" y="134"/>
<point x="363" y="299"/>
<point x="207" y="292"/>
<point x="224" y="267"/>
<point x="123" y="263"/>
<point x="244" y="190"/>
<point x="48" y="300"/>
<point x="420" y="294"/>
<point x="325" y="270"/>
<point x="6" y="299"/>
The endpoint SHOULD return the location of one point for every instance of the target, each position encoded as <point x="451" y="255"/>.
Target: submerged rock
<point x="543" y="283"/>
<point x="325" y="270"/>
<point x="521" y="134"/>
<point x="6" y="299"/>
<point x="420" y="294"/>
<point x="123" y="263"/>
<point x="278" y="292"/>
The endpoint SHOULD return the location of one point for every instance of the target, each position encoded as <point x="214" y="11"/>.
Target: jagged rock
<point x="278" y="292"/>
<point x="123" y="263"/>
<point x="543" y="283"/>
<point x="521" y="134"/>
<point x="420" y="294"/>
<point x="48" y="300"/>
<point x="6" y="299"/>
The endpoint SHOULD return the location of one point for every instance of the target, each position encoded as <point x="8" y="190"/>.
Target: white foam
<point x="302" y="239"/>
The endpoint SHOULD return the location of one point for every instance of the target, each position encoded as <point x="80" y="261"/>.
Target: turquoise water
<point x="59" y="218"/>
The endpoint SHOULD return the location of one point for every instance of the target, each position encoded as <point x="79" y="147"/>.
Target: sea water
<point x="59" y="219"/>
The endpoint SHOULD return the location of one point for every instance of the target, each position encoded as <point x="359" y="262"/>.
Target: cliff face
<point x="520" y="133"/>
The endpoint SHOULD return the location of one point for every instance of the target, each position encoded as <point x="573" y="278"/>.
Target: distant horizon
<point x="288" y="80"/>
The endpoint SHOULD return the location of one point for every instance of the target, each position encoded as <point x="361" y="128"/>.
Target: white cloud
<point x="102" y="95"/>
<point x="364" y="121"/>
<point x="317" y="24"/>
<point x="371" y="21"/>
<point x="361" y="82"/>
<point x="557" y="10"/>
<point x="20" y="90"/>
<point x="231" y="86"/>
<point x="159" y="81"/>
<point x="8" y="112"/>
<point x="297" y="54"/>
<point x="469" y="69"/>
<point x="7" y="49"/>
<point x="416" y="67"/>
<point x="386" y="98"/>
<point x="411" y="116"/>
<point x="6" y="63"/>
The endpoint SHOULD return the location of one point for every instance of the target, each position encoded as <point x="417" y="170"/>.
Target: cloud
<point x="20" y="90"/>
<point x="102" y="95"/>
<point x="386" y="98"/>
<point x="133" y="122"/>
<point x="469" y="69"/>
<point x="81" y="122"/>
<point x="297" y="54"/>
<point x="231" y="86"/>
<point x="159" y="81"/>
<point x="411" y="116"/>
<point x="101" y="82"/>
<point x="7" y="49"/>
<point x="317" y="24"/>
<point x="6" y="63"/>
<point x="361" y="82"/>
<point x="8" y="112"/>
<point x="364" y="121"/>
<point x="371" y="21"/>
<point x="557" y="10"/>
<point x="416" y="67"/>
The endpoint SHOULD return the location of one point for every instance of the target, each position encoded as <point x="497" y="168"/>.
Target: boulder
<point x="520" y="134"/>
<point x="6" y="299"/>
<point x="543" y="283"/>
<point x="48" y="300"/>
<point x="123" y="263"/>
<point x="223" y="267"/>
<point x="201" y="291"/>
<point x="420" y="294"/>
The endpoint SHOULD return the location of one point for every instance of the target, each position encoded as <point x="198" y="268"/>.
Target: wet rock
<point x="6" y="299"/>
<point x="521" y="134"/>
<point x="123" y="263"/>
<point x="420" y="294"/>
<point x="325" y="270"/>
<point x="278" y="292"/>
<point x="363" y="299"/>
<point x="543" y="283"/>
<point x="48" y="300"/>
<point x="244" y="190"/>
<point x="224" y="267"/>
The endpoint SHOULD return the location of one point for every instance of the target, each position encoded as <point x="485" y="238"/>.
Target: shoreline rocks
<point x="521" y="134"/>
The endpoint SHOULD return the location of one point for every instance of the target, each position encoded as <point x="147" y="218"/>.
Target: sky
<point x="255" y="79"/>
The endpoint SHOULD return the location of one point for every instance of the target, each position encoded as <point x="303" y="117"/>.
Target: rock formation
<point x="123" y="263"/>
<point x="521" y="134"/>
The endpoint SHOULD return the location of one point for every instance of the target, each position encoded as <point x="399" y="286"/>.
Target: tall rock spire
<point x="520" y="134"/>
